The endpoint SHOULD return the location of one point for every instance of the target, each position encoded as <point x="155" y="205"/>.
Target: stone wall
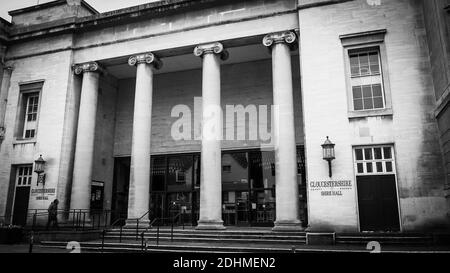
<point x="242" y="83"/>
<point x="54" y="70"/>
<point x="411" y="129"/>
<point x="49" y="13"/>
<point x="437" y="22"/>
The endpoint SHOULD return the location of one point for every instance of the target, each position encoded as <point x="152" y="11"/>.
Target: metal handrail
<point x="131" y="219"/>
<point x="78" y="216"/>
<point x="157" y="229"/>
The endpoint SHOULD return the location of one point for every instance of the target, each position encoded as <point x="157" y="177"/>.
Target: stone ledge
<point x="321" y="238"/>
<point x="370" y="113"/>
<point x="79" y="236"/>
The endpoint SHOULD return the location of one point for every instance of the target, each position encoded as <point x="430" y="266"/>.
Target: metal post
<point x="183" y="219"/>
<point x="73" y="219"/>
<point x="106" y="217"/>
<point x="34" y="221"/>
<point x="120" y="236"/>
<point x="103" y="239"/>
<point x="30" y="249"/>
<point x="171" y="232"/>
<point x="142" y="241"/>
<point x="157" y="235"/>
<point x="137" y="229"/>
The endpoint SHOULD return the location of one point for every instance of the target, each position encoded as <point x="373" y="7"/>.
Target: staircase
<point x="197" y="241"/>
<point x="240" y="240"/>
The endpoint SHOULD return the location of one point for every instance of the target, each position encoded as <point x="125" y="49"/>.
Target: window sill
<point x="370" y="113"/>
<point x="19" y="141"/>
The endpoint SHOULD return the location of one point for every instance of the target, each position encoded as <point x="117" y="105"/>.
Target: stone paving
<point x="24" y="248"/>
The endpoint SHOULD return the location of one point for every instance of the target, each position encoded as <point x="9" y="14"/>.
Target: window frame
<point x="29" y="176"/>
<point x="26" y="121"/>
<point x="26" y="90"/>
<point x="383" y="160"/>
<point x="365" y="42"/>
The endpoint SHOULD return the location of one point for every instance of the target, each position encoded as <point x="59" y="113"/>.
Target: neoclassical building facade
<point x="300" y="114"/>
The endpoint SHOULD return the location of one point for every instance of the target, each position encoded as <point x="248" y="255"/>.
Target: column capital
<point x="286" y="37"/>
<point x="212" y="48"/>
<point x="86" y="67"/>
<point x="145" y="58"/>
<point x="8" y="65"/>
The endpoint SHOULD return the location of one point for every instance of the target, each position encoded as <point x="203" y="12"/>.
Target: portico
<point x="212" y="56"/>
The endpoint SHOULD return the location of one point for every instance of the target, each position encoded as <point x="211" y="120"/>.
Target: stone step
<point x="211" y="235"/>
<point x="385" y="239"/>
<point x="210" y="239"/>
<point x="209" y="232"/>
<point x="137" y="247"/>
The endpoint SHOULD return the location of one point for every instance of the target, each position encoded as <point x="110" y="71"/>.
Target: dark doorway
<point x="377" y="200"/>
<point x="20" y="211"/>
<point x="157" y="205"/>
<point x="121" y="183"/>
<point x="262" y="188"/>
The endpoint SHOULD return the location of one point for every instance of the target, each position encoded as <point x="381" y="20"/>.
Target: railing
<point x="158" y="221"/>
<point x="138" y="220"/>
<point x="77" y="218"/>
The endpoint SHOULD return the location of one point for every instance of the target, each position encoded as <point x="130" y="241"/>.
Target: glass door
<point x="235" y="188"/>
<point x="262" y="188"/>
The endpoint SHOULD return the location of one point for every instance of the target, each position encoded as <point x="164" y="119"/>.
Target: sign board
<point x="43" y="193"/>
<point x="331" y="187"/>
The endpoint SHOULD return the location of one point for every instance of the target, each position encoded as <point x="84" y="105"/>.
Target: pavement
<point x="24" y="248"/>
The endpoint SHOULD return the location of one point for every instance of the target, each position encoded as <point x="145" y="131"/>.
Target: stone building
<point x="124" y="107"/>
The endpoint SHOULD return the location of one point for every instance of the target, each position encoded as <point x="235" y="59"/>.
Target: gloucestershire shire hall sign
<point x="43" y="194"/>
<point x="331" y="187"/>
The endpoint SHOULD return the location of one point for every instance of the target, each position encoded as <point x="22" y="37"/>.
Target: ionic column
<point x="211" y="172"/>
<point x="287" y="206"/>
<point x="139" y="189"/>
<point x="84" y="149"/>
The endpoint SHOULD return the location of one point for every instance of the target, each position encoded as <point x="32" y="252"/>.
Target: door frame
<point x="14" y="179"/>
<point x="355" y="174"/>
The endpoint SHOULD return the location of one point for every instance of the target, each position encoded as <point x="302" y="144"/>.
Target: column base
<point x="210" y="224"/>
<point x="132" y="223"/>
<point x="294" y="225"/>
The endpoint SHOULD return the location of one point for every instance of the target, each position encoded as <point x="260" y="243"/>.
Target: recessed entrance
<point x="248" y="187"/>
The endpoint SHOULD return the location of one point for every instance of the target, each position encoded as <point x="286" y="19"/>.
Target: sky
<point x="100" y="5"/>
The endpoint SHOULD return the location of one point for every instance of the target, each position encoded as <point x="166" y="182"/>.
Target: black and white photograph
<point x="224" y="134"/>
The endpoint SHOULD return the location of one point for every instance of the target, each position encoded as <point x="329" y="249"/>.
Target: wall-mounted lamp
<point x="39" y="165"/>
<point x="328" y="153"/>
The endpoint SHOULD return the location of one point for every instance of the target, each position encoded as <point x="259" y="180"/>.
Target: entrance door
<point x="377" y="191"/>
<point x="262" y="188"/>
<point x="21" y="206"/>
<point x="242" y="208"/>
<point x="22" y="195"/>
<point x="121" y="182"/>
<point x="157" y="205"/>
<point x="377" y="198"/>
<point x="263" y="207"/>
